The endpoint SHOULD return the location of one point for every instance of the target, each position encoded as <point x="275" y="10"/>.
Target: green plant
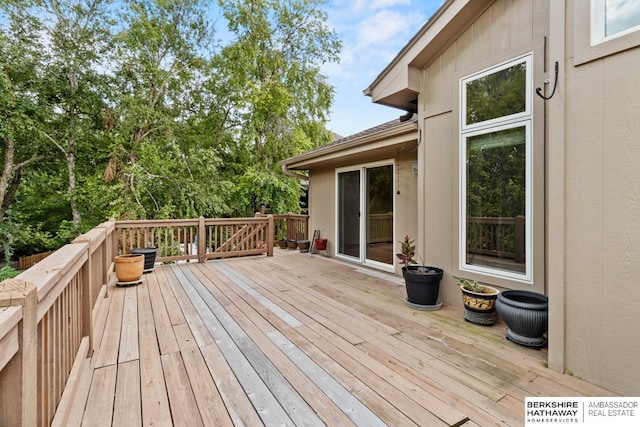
<point x="407" y="251"/>
<point x="7" y="272"/>
<point x="469" y="285"/>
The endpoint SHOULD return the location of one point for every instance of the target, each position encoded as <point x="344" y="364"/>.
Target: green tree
<point x="278" y="96"/>
<point x="20" y="111"/>
<point x="78" y="34"/>
<point x="157" y="160"/>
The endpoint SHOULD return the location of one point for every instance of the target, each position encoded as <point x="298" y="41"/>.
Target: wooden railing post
<point x="519" y="237"/>
<point x="270" y="234"/>
<point x="202" y="239"/>
<point x="19" y="387"/>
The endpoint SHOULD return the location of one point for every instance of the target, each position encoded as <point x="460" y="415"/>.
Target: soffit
<point x="382" y="141"/>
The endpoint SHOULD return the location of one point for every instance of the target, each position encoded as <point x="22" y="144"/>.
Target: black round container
<point x="526" y="316"/>
<point x="149" y="257"/>
<point x="423" y="284"/>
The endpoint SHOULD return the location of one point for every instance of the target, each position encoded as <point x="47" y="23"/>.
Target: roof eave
<point x="398" y="84"/>
<point x="386" y="138"/>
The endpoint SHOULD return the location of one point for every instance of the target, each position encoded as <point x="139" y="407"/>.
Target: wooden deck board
<point x="296" y="339"/>
<point x="127" y="406"/>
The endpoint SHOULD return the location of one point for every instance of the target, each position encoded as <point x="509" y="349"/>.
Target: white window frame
<point x="598" y="19"/>
<point x="502" y="123"/>
<point x="487" y="123"/>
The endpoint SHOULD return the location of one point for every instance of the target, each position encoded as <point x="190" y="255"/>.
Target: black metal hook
<point x="555" y="86"/>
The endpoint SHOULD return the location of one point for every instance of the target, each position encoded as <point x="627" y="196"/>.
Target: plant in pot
<point x="422" y="282"/>
<point x="479" y="302"/>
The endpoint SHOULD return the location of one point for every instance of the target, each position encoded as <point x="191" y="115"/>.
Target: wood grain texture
<point x="297" y="339"/>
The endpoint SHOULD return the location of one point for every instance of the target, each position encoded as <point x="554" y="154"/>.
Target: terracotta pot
<point x="129" y="267"/>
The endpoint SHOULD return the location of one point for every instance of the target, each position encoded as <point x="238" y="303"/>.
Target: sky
<point x="372" y="32"/>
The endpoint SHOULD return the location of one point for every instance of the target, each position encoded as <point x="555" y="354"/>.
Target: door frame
<point x="362" y="168"/>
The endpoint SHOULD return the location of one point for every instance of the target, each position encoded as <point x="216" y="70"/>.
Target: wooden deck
<point x="297" y="339"/>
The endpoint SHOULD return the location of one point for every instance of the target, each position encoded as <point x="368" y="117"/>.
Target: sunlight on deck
<point x="297" y="339"/>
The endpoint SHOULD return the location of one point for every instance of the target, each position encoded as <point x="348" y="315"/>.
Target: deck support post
<point x="202" y="240"/>
<point x="270" y="234"/>
<point x="19" y="378"/>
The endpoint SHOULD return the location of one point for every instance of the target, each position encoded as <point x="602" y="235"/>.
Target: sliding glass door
<point x="365" y="214"/>
<point x="349" y="213"/>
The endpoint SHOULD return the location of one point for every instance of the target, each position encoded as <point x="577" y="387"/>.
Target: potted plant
<point x="479" y="302"/>
<point x="422" y="282"/>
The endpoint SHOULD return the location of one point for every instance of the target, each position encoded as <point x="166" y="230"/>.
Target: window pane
<point x="349" y="213"/>
<point x="620" y="15"/>
<point x="499" y="94"/>
<point x="496" y="199"/>
<point x="380" y="214"/>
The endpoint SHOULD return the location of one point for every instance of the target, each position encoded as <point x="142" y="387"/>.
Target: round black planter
<point x="526" y="316"/>
<point x="423" y="284"/>
<point x="149" y="257"/>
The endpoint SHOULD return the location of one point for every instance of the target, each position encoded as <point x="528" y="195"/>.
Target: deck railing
<point x="289" y="226"/>
<point x="46" y="325"/>
<point x="497" y="237"/>
<point x="48" y="312"/>
<point x="380" y="227"/>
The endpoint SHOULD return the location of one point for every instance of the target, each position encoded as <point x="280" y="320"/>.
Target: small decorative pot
<point x="321" y="244"/>
<point x="303" y="245"/>
<point x="480" y="307"/>
<point x="292" y="244"/>
<point x="282" y="243"/>
<point x="526" y="316"/>
<point x="129" y="267"/>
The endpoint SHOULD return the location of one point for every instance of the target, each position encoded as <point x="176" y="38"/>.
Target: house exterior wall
<point x="503" y="31"/>
<point x="322" y="197"/>
<point x="597" y="112"/>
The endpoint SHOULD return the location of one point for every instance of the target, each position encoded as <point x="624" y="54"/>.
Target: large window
<point x="495" y="214"/>
<point x="613" y="18"/>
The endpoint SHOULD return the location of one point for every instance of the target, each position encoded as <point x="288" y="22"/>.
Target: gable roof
<point x="398" y="85"/>
<point x="389" y="134"/>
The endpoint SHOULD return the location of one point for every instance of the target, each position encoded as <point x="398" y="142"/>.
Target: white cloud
<point x="372" y="34"/>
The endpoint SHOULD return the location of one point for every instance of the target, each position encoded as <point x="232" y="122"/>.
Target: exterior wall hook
<point x="555" y="86"/>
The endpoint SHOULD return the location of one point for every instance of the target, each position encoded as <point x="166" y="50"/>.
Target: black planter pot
<point x="526" y="316"/>
<point x="149" y="257"/>
<point x="423" y="285"/>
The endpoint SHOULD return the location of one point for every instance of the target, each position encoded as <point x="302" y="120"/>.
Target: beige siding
<point x="502" y="32"/>
<point x="603" y="221"/>
<point x="322" y="205"/>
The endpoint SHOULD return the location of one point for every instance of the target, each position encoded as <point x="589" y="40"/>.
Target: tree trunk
<point x="7" y="173"/>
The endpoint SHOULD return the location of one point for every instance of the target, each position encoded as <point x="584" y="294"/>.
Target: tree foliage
<point x="133" y="109"/>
